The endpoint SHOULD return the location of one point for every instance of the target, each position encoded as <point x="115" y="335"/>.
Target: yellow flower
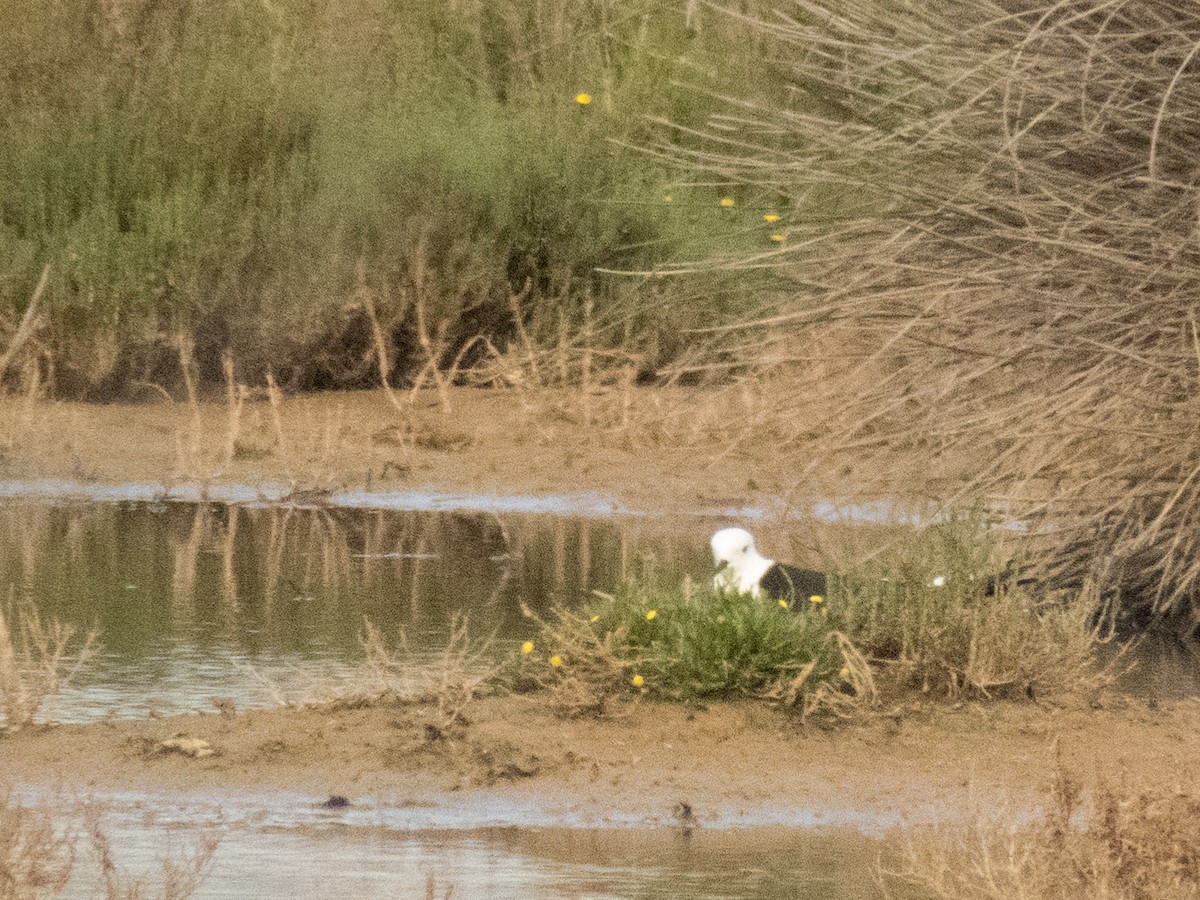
<point x="594" y="619"/>
<point x="527" y="647"/>
<point x="816" y="598"/>
<point x="556" y="660"/>
<point x="637" y="680"/>
<point x="845" y="673"/>
<point x="666" y="198"/>
<point x="771" y="217"/>
<point x="777" y="238"/>
<point x="650" y="615"/>
<point x="727" y="202"/>
<point x="783" y="604"/>
<point x="583" y="99"/>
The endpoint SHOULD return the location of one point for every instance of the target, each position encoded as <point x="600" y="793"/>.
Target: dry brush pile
<point x="992" y="220"/>
<point x="1113" y="842"/>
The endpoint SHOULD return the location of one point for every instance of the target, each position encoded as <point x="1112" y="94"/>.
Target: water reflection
<point x="755" y="864"/>
<point x="197" y="601"/>
<point x="254" y="604"/>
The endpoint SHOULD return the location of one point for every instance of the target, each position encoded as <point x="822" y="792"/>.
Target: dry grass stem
<point x="30" y="322"/>
<point x="601" y="662"/>
<point x="465" y="670"/>
<point x="38" y="659"/>
<point x="431" y="889"/>
<point x="995" y="236"/>
<point x="182" y="872"/>
<point x="235" y="399"/>
<point x="35" y="858"/>
<point x="1117" y="844"/>
<point x="383" y="353"/>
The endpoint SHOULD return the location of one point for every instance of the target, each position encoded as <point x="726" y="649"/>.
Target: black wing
<point x="1006" y="580"/>
<point x="784" y="582"/>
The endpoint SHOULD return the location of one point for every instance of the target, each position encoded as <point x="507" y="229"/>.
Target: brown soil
<point x="665" y="451"/>
<point x="669" y="452"/>
<point x="731" y="763"/>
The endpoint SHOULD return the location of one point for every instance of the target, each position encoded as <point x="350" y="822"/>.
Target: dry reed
<point x="993" y="227"/>
<point x="182" y="873"/>
<point x="600" y="662"/>
<point x="38" y="659"/>
<point x="1119" y="844"/>
<point x="30" y="322"/>
<point x="35" y="860"/>
<point x="464" y="671"/>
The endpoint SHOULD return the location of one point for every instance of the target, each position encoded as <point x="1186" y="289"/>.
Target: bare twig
<point x="29" y="322"/>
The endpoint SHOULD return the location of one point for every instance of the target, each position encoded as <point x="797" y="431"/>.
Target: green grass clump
<point x="688" y="643"/>
<point x="724" y="644"/>
<point x="883" y="626"/>
<point x="956" y="638"/>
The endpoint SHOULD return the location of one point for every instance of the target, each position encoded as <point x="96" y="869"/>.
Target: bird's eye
<point x="746" y="549"/>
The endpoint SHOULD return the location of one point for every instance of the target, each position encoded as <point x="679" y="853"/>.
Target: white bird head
<point x="739" y="564"/>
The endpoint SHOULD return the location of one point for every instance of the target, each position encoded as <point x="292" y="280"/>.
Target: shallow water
<point x="364" y="861"/>
<point x="201" y="601"/>
<point x="281" y="844"/>
<point x="195" y="602"/>
<point x="259" y="604"/>
<point x="550" y="863"/>
<point x="578" y="504"/>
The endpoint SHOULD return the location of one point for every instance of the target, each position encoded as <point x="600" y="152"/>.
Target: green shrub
<point x="960" y="637"/>
<point x="884" y="624"/>
<point x="726" y="644"/>
<point x="266" y="179"/>
<point x="687" y="643"/>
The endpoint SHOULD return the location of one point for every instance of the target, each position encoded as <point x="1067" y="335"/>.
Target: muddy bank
<point x="653" y="451"/>
<point x="516" y="763"/>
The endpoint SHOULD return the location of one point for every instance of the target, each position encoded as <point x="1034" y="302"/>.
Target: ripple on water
<point x="276" y="852"/>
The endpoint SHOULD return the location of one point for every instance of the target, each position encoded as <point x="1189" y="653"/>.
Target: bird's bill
<point x="722" y="566"/>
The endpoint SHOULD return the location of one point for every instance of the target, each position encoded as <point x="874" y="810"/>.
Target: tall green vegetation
<point x="307" y="186"/>
<point x="1014" y="286"/>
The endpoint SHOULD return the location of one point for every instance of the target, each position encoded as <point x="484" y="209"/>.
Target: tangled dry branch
<point x="996" y="223"/>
